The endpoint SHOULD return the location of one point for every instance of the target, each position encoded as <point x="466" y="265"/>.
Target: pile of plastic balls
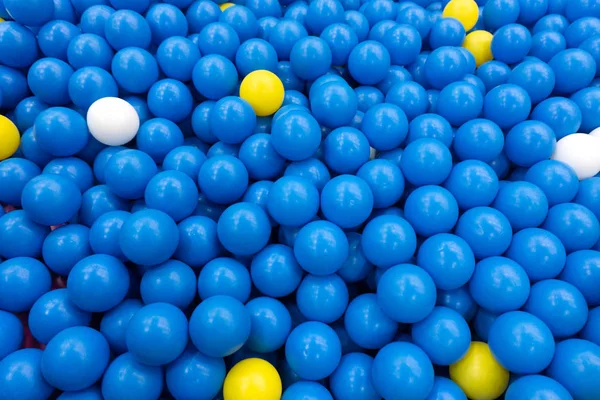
<point x="300" y="200"/>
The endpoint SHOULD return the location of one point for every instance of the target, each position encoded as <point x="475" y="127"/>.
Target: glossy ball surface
<point x="321" y="248"/>
<point x="23" y="280"/>
<point x="312" y="341"/>
<point x="20" y="375"/>
<point x="127" y="377"/>
<point x="250" y="379"/>
<point x="576" y="360"/>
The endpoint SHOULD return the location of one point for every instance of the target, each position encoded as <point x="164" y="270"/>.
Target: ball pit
<point x="280" y="199"/>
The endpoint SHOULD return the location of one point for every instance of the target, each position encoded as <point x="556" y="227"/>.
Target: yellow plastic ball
<point x="252" y="379"/>
<point x="9" y="138"/>
<point x="478" y="373"/>
<point x="479" y="43"/>
<point x="466" y="11"/>
<point x="264" y="91"/>
<point x="225" y="6"/>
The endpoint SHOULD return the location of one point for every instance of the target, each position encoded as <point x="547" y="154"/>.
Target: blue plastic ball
<point x="26" y="111"/>
<point x="54" y="38"/>
<point x="575" y="225"/>
<point x="387" y="232"/>
<point x="232" y="120"/>
<point x="61" y="132"/>
<point x="403" y="43"/>
<point x="546" y="44"/>
<point x="539" y="252"/>
<point x="31" y="13"/>
<point x="220" y="326"/>
<point x="448" y="259"/>
<point x="574" y="70"/>
<point x="590" y="330"/>
<point x="149" y="237"/>
<point x="499" y="285"/>
<point x="347" y="201"/>
<point x="157" y="136"/>
<point x="89" y="84"/>
<point x="172" y="282"/>
<point x="532" y="386"/>
<point x="447" y="32"/>
<point x="352" y="379"/>
<point x="99" y="200"/>
<point x="493" y="73"/>
<point x="558" y="181"/>
<point x="478" y="139"/>
<point x="242" y="20"/>
<point x="265" y="27"/>
<point x="367" y="325"/>
<point x="66" y="246"/>
<point x="244" y="229"/>
<point x="128" y="172"/>
<point x="192" y="370"/>
<point x="577" y="361"/>
<point x="445" y="65"/>
<point x="19" y="46"/>
<point x="115" y="321"/>
<point x="157" y="334"/>
<point x="322" y="13"/>
<point x="89" y="50"/>
<point x="15" y="173"/>
<point x="172" y="192"/>
<point x="521" y="342"/>
<point x="426" y="162"/>
<point x="444" y="335"/>
<point x="201" y="13"/>
<point x="94" y="18"/>
<point x="301" y="389"/>
<point x="385" y="126"/>
<point x="587" y="100"/>
<point x="322" y="298"/>
<point x="75" y="169"/>
<point x="309" y="342"/>
<point x="511" y="43"/>
<point x="460" y="102"/>
<point x="524" y="204"/>
<point x="431" y="210"/>
<point x="22" y="281"/>
<point x="560" y="114"/>
<point x="402" y="367"/>
<point x="186" y="159"/>
<point x="296" y="135"/>
<point x="126" y="28"/>
<point x="507" y="105"/>
<point x="11" y="332"/>
<point x="410" y="97"/>
<point x="592" y="46"/>
<point x="486" y="230"/>
<point x="498" y="13"/>
<point x="537" y="78"/>
<point x="293" y="201"/>
<point x="224" y="277"/>
<point x="13" y="85"/>
<point x="177" y="57"/>
<point x="271" y="324"/>
<point x="310" y="57"/>
<point x="333" y="104"/>
<point x="170" y="99"/>
<point x="385" y="180"/>
<point x="255" y="54"/>
<point x="198" y="241"/>
<point x="459" y="300"/>
<point x="127" y="377"/>
<point x="51" y="199"/>
<point x="369" y="62"/>
<point x="218" y="38"/>
<point x="134" y="69"/>
<point x="21" y="376"/>
<point x="75" y="358"/>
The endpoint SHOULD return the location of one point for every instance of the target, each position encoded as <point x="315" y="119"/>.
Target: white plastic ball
<point x="595" y="133"/>
<point x="113" y="121"/>
<point x="581" y="152"/>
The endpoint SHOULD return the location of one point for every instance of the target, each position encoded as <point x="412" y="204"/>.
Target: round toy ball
<point x="51" y="199"/>
<point x="537" y="78"/>
<point x="9" y="138"/>
<point x="193" y="368"/>
<point x="172" y="192"/>
<point x="431" y="210"/>
<point x="271" y="324"/>
<point x="66" y="246"/>
<point x="263" y="91"/>
<point x="310" y="58"/>
<point x="403" y="42"/>
<point x="60" y="132"/>
<point x="499" y="284"/>
<point x="54" y="312"/>
<point x="478" y="139"/>
<point x="367" y="325"/>
<point x="576" y="365"/>
<point x="532" y="386"/>
<point x="300" y="389"/>
<point x="157" y="334"/>
<point x="104" y="233"/>
<point x="98" y="283"/>
<point x="511" y="43"/>
<point x="446" y="32"/>
<point x="284" y="35"/>
<point x="75" y="358"/>
<point x="15" y="86"/>
<point x="293" y="201"/>
<point x="31" y="13"/>
<point x="20" y="375"/>
<point x="177" y="57"/>
<point x="560" y="114"/>
<point x="26" y="111"/>
<point x="311" y="169"/>
<point x="411" y="97"/>
<point x="574" y="70"/>
<point x="170" y="99"/>
<point x="539" y="252"/>
<point x="369" y="62"/>
<point x="219" y="38"/>
<point x="99" y="200"/>
<point x="149" y="237"/>
<point x="406" y="293"/>
<point x="213" y="69"/>
<point x="466" y="11"/>
<point x="493" y="73"/>
<point x="15" y="173"/>
<point x="507" y="105"/>
<point x="317" y="291"/>
<point x="385" y="180"/>
<point x="114" y="324"/>
<point x="352" y="379"/>
<point x="521" y="342"/>
<point x="498" y="13"/>
<point x="532" y="10"/>
<point x="445" y="388"/>
<point x="388" y="240"/>
<point x="345" y="150"/>
<point x="460" y="102"/>
<point x="444" y="65"/>
<point x="172" y="282"/>
<point x="127" y="377"/>
<point x="93" y="19"/>
<point x="74" y="169"/>
<point x="587" y="99"/>
<point x="430" y="126"/>
<point x="260" y="158"/>
<point x="590" y="330"/>
<point x="244" y="229"/>
<point x="157" y="137"/>
<point x="558" y="180"/>
<point x="220" y="326"/>
<point x="575" y="225"/>
<point x="367" y="97"/>
<point x="444" y="335"/>
<point x="25" y="236"/>
<point x="232" y="120"/>
<point x="224" y="276"/>
<point x="546" y="44"/>
<point x="524" y="204"/>
<point x="333" y="104"/>
<point x="347" y="201"/>
<point x="448" y="259"/>
<point x="313" y="350"/>
<point x="89" y="50"/>
<point x="134" y="69"/>
<point x="321" y="248"/>
<point x="322" y="14"/>
<point x="11" y="332"/>
<point x="560" y="305"/>
<point x="254" y="55"/>
<point x="478" y="373"/>
<point x="385" y="126"/>
<point x="223" y="179"/>
<point x="417" y="378"/>
<point x="296" y="135"/>
<point x="251" y="379"/>
<point x="126" y="28"/>
<point x="426" y="162"/>
<point x="341" y="39"/>
<point x="112" y="121"/>
<point x="186" y="159"/>
<point x="19" y="48"/>
<point x="128" y="172"/>
<point x="275" y="271"/>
